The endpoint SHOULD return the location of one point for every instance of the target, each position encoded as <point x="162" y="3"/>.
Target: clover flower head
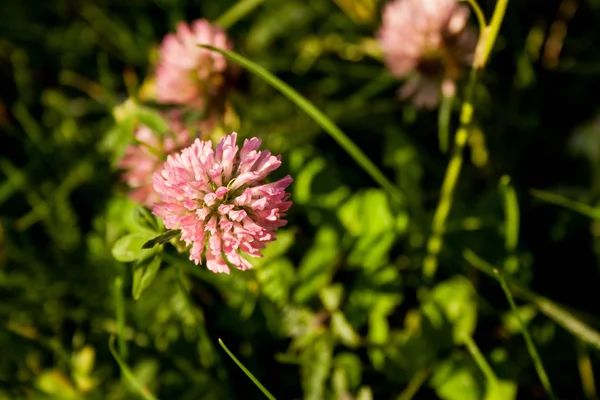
<point x="220" y="200"/>
<point x="428" y="42"/>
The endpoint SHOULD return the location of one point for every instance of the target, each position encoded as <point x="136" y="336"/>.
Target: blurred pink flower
<point x="142" y="159"/>
<point x="219" y="200"/>
<point x="427" y="41"/>
<point x="187" y="74"/>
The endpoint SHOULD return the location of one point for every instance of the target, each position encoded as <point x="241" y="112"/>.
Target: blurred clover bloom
<point x="187" y="74"/>
<point x="428" y="42"/>
<point x="146" y="156"/>
<point x="220" y="201"/>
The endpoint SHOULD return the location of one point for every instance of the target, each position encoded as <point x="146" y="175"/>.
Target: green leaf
<point x="315" y="367"/>
<point x="457" y="378"/>
<point x="331" y="297"/>
<point x="343" y="330"/>
<point x="502" y="390"/>
<point x="340" y="137"/>
<point x="317" y="265"/>
<point x="144" y="275"/>
<point x="457" y="301"/>
<point x="161" y="239"/>
<point x="129" y="247"/>
<point x="152" y="119"/>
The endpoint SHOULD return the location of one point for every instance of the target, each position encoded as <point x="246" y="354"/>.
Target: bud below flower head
<point x="427" y="41"/>
<point x="142" y="159"/>
<point x="220" y="201"/>
<point x="190" y="75"/>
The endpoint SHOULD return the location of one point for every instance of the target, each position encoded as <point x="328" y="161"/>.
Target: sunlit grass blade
<point x="340" y="137"/>
<point x="559" y="314"/>
<point x="238" y="11"/>
<point x="562" y="201"/>
<point x="537" y="361"/>
<point x="248" y="373"/>
<point x="143" y="392"/>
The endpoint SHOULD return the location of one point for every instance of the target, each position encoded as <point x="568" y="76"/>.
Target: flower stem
<point x="435" y="242"/>
<point x="478" y="13"/>
<point x="438" y="226"/>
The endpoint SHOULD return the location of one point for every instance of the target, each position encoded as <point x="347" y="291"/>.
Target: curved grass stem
<point x="320" y="118"/>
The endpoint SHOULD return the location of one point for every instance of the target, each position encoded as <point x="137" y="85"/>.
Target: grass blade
<point x="559" y="314"/>
<point x="562" y="201"/>
<point x="340" y="137"/>
<point x="537" y="361"/>
<point x="143" y="392"/>
<point x="248" y="373"/>
<point x="237" y="12"/>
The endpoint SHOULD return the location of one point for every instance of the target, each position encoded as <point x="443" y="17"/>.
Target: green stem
<point x="248" y="373"/>
<point x="434" y="245"/>
<point x="237" y="12"/>
<point x="435" y="242"/>
<point x="319" y="117"/>
<point x="537" y="362"/>
<point x="480" y="360"/>
<point x="491" y="33"/>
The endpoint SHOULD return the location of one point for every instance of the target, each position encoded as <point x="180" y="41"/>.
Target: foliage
<point x="99" y="301"/>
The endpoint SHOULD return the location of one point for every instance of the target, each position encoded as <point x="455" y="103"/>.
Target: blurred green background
<point x="338" y="307"/>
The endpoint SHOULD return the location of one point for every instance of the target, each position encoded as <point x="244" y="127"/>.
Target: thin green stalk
<point x="142" y="391"/>
<point x="238" y="11"/>
<point x="414" y="385"/>
<point x="491" y="33"/>
<point x="586" y="371"/>
<point x="438" y="226"/>
<point x="336" y="133"/>
<point x="435" y="242"/>
<point x="248" y="373"/>
<point x="480" y="360"/>
<point x="444" y="114"/>
<point x="537" y="362"/>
